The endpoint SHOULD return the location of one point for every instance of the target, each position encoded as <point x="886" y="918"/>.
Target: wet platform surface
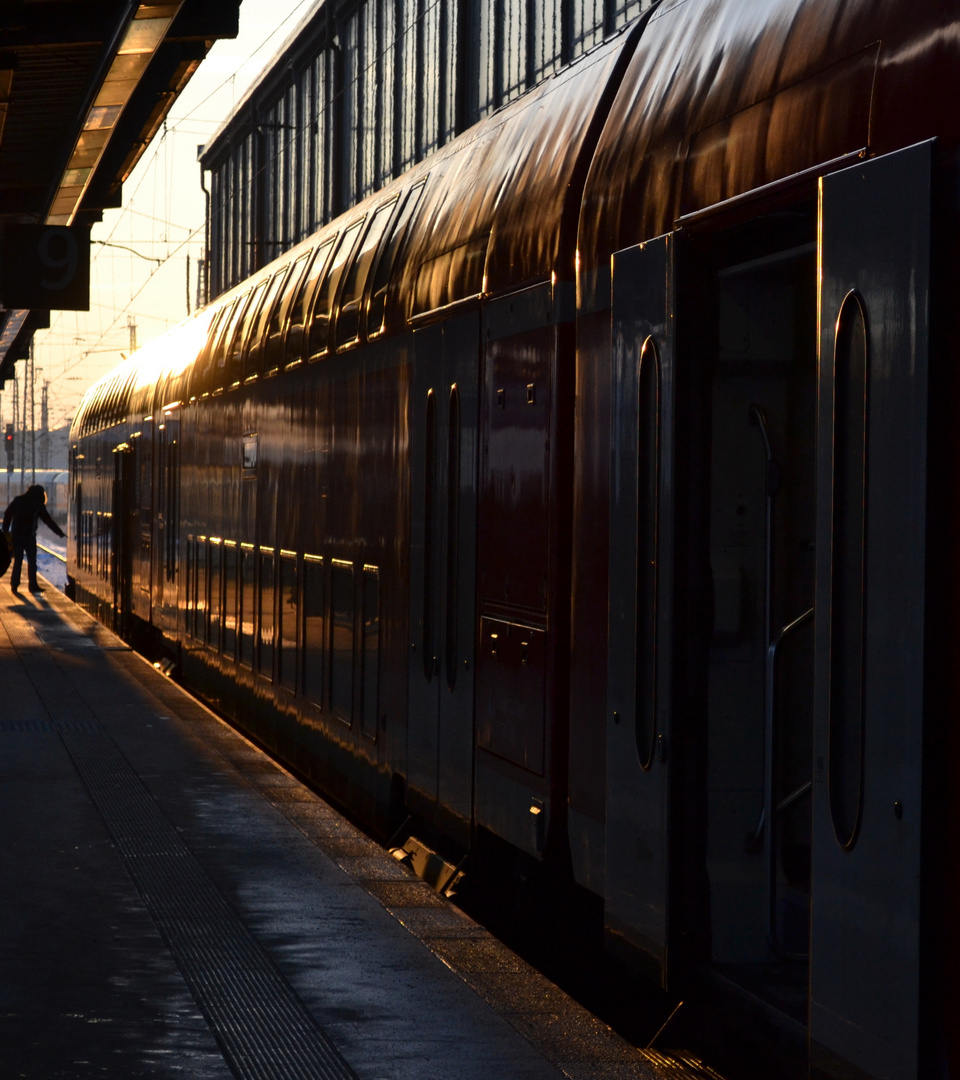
<point x="175" y="904"/>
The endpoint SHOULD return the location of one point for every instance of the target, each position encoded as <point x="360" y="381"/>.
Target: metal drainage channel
<point x="264" y="1030"/>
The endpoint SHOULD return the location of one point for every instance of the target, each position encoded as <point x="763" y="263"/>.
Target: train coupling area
<point x="174" y="903"/>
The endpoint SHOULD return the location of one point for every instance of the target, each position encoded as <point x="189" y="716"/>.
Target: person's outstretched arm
<point x="50" y="523"/>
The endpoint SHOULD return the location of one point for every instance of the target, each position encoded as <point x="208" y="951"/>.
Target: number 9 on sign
<point x="58" y="254"/>
<point x="45" y="267"/>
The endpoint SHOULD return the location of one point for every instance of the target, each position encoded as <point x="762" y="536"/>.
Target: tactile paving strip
<point x="263" y="1028"/>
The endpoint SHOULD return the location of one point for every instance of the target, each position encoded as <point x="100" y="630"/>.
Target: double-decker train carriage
<point x="590" y="487"/>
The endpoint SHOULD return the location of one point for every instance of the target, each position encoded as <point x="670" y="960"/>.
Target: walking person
<point x="21" y="519"/>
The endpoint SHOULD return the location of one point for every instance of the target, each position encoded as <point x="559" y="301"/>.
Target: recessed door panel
<point x="869" y="623"/>
<point x="443" y="568"/>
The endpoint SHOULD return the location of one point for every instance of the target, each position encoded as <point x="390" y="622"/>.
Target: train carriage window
<point x="847" y="608"/>
<point x="110" y="404"/>
<point x="371" y="652"/>
<point x="219" y="372"/>
<point x="246" y="616"/>
<point x="313" y="628"/>
<point x="287" y="628"/>
<point x="355" y="282"/>
<point x="200" y="377"/>
<point x="300" y="308"/>
<point x="215" y="605"/>
<point x="236" y="369"/>
<point x="273" y="347"/>
<point x="376" y="313"/>
<point x="230" y="598"/>
<point x="327" y="293"/>
<point x="265" y="635"/>
<point x="259" y="321"/>
<point x="341" y="638"/>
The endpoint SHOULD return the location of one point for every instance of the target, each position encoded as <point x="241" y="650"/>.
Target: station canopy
<point x="84" y="87"/>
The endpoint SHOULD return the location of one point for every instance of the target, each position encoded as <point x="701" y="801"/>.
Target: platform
<point x="175" y="904"/>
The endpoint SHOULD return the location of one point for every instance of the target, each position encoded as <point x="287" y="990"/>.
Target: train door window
<point x="288" y="616"/>
<point x="300" y="308"/>
<point x="108" y="546"/>
<point x="101" y="545"/>
<point x="370" y="658"/>
<point x="273" y="355"/>
<point x="760" y="471"/>
<point x="341" y="638"/>
<point x="327" y="293"/>
<point x="215" y="605"/>
<point x="355" y="282"/>
<point x="259" y="321"/>
<point x="200" y="591"/>
<point x="313" y="629"/>
<point x="171" y="487"/>
<point x="91" y="532"/>
<point x="428" y="644"/>
<point x="246" y="617"/>
<point x="87" y="540"/>
<point x="451" y="629"/>
<point x="847" y="614"/>
<point x="265" y="636"/>
<point x="230" y="567"/>
<point x="648" y="514"/>
<point x="376" y="313"/>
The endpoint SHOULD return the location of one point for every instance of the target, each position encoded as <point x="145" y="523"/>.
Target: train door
<point x="144" y="464"/>
<point x="709" y="729"/>
<point x="168" y="520"/>
<point x="638" y="779"/>
<point x="758" y="482"/>
<point x="443" y="417"/>
<point x="124" y="507"/>
<point x="865" y="1005"/>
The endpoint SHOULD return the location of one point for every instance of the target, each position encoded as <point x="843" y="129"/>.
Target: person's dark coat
<point x="25" y="513"/>
<point x="21" y="518"/>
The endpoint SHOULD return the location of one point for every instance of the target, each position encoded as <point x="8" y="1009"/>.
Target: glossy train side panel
<point x="295" y="569"/>
<point x="867" y="909"/>
<point x="721" y="99"/>
<point x="523" y="567"/>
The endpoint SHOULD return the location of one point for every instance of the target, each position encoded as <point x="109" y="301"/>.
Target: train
<point x="592" y="488"/>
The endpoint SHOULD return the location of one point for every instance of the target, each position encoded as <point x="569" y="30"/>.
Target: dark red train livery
<point x="592" y="486"/>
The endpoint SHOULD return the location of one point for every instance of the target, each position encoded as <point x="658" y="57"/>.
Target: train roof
<point x="726" y="98"/>
<point x="495" y="209"/>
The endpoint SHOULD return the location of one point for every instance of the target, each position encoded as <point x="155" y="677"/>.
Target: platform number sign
<point x="45" y="267"/>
